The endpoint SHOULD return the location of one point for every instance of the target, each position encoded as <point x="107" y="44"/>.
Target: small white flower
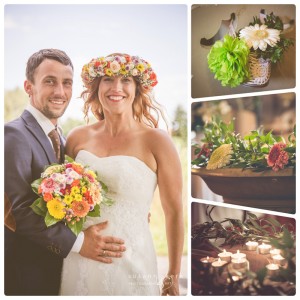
<point x="92" y="72"/>
<point x="130" y="66"/>
<point x="73" y="174"/>
<point x="115" y="67"/>
<point x="134" y="72"/>
<point x="122" y="59"/>
<point x="59" y="178"/>
<point x="109" y="58"/>
<point x="260" y="36"/>
<point x="51" y="170"/>
<point x="145" y="77"/>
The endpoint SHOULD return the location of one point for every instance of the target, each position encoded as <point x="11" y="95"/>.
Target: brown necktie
<point x="54" y="136"/>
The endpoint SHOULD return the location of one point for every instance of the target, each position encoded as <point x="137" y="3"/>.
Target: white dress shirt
<point x="47" y="127"/>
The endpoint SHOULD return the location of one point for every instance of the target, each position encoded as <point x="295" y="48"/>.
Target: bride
<point x="132" y="156"/>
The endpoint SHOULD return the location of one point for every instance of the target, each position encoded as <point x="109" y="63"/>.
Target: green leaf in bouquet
<point x="104" y="187"/>
<point x="68" y="159"/>
<point x="107" y="201"/>
<point x="95" y="212"/>
<point x="77" y="226"/>
<point x="39" y="207"/>
<point x="49" y="220"/>
<point x="35" y="185"/>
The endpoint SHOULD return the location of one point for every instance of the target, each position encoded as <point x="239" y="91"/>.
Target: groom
<point x="33" y="252"/>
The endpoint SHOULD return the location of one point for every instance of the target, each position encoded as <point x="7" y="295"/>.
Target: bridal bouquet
<point x="258" y="151"/>
<point x="241" y="58"/>
<point x="68" y="192"/>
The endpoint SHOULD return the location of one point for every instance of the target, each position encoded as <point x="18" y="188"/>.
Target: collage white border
<point x="189" y="3"/>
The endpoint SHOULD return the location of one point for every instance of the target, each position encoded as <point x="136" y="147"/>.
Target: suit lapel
<point x="33" y="126"/>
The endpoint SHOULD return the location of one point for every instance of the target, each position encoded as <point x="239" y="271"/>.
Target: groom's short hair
<point x="37" y="58"/>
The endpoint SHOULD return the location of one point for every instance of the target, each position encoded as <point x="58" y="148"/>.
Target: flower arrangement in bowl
<point x="246" y="57"/>
<point x="258" y="151"/>
<point x="257" y="170"/>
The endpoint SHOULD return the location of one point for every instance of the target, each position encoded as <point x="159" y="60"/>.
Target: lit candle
<point x="264" y="248"/>
<point x="226" y="256"/>
<point x="238" y="263"/>
<point x="279" y="260"/>
<point x="218" y="263"/>
<point x="235" y="278"/>
<point x="206" y="261"/>
<point x="238" y="255"/>
<point x="251" y="245"/>
<point x="272" y="269"/>
<point x="274" y="252"/>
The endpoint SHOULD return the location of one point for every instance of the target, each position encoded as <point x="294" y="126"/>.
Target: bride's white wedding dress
<point x="131" y="184"/>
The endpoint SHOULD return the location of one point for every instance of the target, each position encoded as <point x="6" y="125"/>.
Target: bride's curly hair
<point x="145" y="108"/>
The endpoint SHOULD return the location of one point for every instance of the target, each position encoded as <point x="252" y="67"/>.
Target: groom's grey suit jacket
<point x="33" y="252"/>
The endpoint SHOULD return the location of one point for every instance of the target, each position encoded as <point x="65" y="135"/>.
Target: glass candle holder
<point x="274" y="252"/>
<point x="238" y="255"/>
<point x="206" y="261"/>
<point x="272" y="269"/>
<point x="239" y="263"/>
<point x="218" y="264"/>
<point x="279" y="260"/>
<point x="251" y="245"/>
<point x="264" y="248"/>
<point x="225" y="256"/>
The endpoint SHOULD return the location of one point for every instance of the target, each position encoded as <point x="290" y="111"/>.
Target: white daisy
<point x="260" y="36"/>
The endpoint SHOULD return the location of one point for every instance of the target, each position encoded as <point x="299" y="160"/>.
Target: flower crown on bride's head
<point x="119" y="65"/>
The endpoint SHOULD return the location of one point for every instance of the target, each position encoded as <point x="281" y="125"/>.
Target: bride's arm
<point x="170" y="189"/>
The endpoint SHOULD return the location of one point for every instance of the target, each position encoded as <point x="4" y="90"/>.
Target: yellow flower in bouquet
<point x="69" y="193"/>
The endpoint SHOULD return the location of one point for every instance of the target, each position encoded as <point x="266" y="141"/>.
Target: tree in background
<point x="180" y="123"/>
<point x="14" y="103"/>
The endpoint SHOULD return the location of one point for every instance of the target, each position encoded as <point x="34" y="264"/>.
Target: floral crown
<point x="119" y="64"/>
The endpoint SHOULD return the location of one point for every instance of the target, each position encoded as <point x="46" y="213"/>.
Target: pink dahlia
<point x="277" y="157"/>
<point x="48" y="185"/>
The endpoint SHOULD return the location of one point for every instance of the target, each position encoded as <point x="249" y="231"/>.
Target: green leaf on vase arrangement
<point x="253" y="151"/>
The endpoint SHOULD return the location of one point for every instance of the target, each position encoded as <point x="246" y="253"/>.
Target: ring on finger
<point x="104" y="253"/>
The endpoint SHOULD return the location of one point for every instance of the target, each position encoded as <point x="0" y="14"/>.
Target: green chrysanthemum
<point x="220" y="157"/>
<point x="228" y="59"/>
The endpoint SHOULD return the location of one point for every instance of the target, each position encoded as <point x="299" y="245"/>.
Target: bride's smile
<point x="116" y="90"/>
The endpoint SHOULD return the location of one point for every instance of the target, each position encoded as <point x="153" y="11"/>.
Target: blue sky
<point x="157" y="33"/>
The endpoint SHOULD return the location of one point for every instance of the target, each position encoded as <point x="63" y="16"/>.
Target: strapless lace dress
<point x="131" y="184"/>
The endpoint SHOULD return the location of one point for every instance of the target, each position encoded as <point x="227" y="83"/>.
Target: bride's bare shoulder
<point x="78" y="137"/>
